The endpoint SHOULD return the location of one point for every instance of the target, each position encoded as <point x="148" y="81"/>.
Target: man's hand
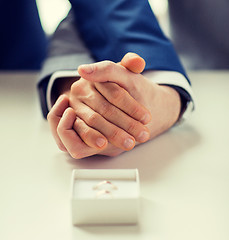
<point x="112" y="112"/>
<point x="163" y="101"/>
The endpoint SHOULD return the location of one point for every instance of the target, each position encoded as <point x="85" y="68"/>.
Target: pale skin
<point x="112" y="108"/>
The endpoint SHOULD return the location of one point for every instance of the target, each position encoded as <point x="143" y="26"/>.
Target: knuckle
<point x="132" y="126"/>
<point x="74" y="86"/>
<point x="117" y="94"/>
<point x="61" y="147"/>
<point x="135" y="83"/>
<point x="108" y="66"/>
<point x="134" y="111"/>
<point x="59" y="130"/>
<point x="114" y="134"/>
<point x="114" y="154"/>
<point x="134" y="87"/>
<point x="89" y="97"/>
<point x="78" y="87"/>
<point x="93" y="119"/>
<point x="86" y="133"/>
<point x="106" y="109"/>
<point x="76" y="154"/>
<point x="50" y="116"/>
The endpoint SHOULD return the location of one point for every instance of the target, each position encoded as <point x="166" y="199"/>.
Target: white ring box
<point x="95" y="201"/>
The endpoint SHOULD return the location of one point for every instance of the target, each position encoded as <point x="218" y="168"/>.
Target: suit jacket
<point x="22" y="42"/>
<point x="200" y="32"/>
<point x="108" y="30"/>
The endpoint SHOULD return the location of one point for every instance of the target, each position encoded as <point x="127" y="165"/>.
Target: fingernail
<point x="146" y="118"/>
<point x="100" y="142"/>
<point x="143" y="136"/>
<point x="129" y="143"/>
<point x="87" y="68"/>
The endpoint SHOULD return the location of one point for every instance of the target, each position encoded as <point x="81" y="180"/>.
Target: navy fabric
<point x="110" y="29"/>
<point x="22" y="39"/>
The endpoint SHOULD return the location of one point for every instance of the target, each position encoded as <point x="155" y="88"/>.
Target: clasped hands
<point x="111" y="108"/>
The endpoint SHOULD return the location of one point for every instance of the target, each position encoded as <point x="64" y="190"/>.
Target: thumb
<point x="133" y="62"/>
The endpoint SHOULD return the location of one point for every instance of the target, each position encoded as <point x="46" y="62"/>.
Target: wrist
<point x="173" y="103"/>
<point x="165" y="111"/>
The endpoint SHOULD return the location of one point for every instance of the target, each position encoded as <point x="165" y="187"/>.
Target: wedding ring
<point x="103" y="184"/>
<point x="104" y="193"/>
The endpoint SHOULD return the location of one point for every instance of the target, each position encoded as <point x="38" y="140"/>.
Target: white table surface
<point x="184" y="173"/>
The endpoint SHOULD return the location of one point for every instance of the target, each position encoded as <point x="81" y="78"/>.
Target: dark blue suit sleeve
<point x="110" y="29"/>
<point x="23" y="41"/>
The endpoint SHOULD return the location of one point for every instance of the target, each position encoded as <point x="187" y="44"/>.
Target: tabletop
<point x="184" y="173"/>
